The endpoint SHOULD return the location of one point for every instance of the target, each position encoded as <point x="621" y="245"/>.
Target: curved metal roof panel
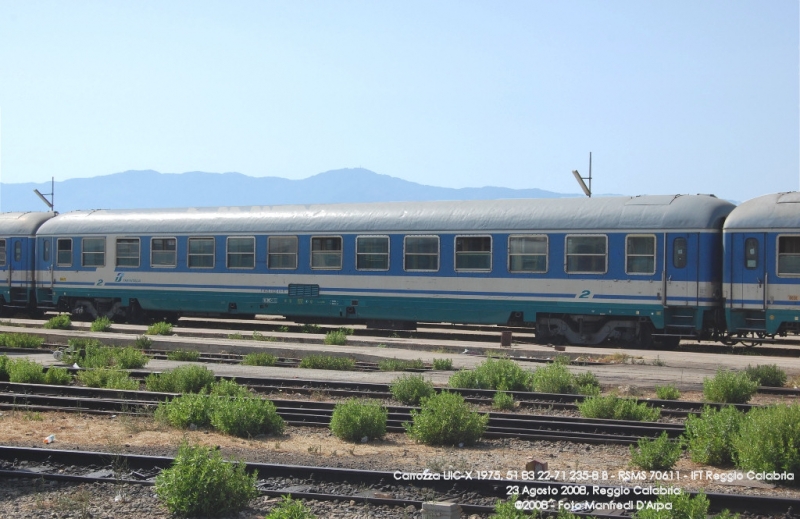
<point x="644" y="212"/>
<point x="22" y="224"/>
<point x="774" y="211"/>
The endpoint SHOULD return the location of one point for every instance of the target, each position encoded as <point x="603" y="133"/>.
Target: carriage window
<point x="17" y="251"/>
<point x="326" y="252"/>
<point x="640" y="255"/>
<point x="751" y="253"/>
<point x="201" y="253"/>
<point x="421" y="253"/>
<point x="46" y="250"/>
<point x="282" y="252"/>
<point x="241" y="253"/>
<point x="372" y="253"/>
<point x="128" y="252"/>
<point x="788" y="255"/>
<point x="586" y="254"/>
<point x="2" y="252"/>
<point x="94" y="252"/>
<point x="163" y="252"/>
<point x="527" y="254"/>
<point x="679" y="253"/>
<point x="64" y="246"/>
<point x="474" y="253"/>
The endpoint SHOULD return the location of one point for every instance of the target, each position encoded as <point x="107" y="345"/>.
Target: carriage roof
<point x="568" y="214"/>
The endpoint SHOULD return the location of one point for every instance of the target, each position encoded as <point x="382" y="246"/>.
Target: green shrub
<point x="400" y="365"/>
<point x="91" y="353"/>
<point x="503" y="374"/>
<point x="410" y="389"/>
<point x="681" y="506"/>
<point x="186" y="410"/>
<point x="616" y="408"/>
<point x="162" y="328"/>
<point x="143" y="342"/>
<point x="335" y="338"/>
<point x="4" y="367"/>
<point x="668" y="392"/>
<point x="59" y="322"/>
<point x="228" y="388"/>
<point x="503" y="401"/>
<point x="769" y="375"/>
<point x="507" y="509"/>
<point x="57" y="376"/>
<point x="201" y="483"/>
<point x="236" y="335"/>
<point x="310" y="328"/>
<point x="101" y="324"/>
<point x="283" y="329"/>
<point x="184" y="379"/>
<point x="729" y="387"/>
<point x="259" y="359"/>
<point x="328" y="362"/>
<point x="443" y="364"/>
<point x="656" y="454"/>
<point x="446" y="419"/>
<point x="709" y="437"/>
<point x="290" y="508"/>
<point x="129" y="358"/>
<point x="586" y="383"/>
<point x="356" y="419"/>
<point x="24" y="371"/>
<point x="246" y="416"/>
<point x="108" y="378"/>
<point x="553" y="378"/>
<point x="20" y="340"/>
<point x="769" y="440"/>
<point x="258" y="336"/>
<point x="184" y="355"/>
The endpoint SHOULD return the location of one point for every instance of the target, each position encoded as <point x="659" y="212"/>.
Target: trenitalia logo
<point x="119" y="277"/>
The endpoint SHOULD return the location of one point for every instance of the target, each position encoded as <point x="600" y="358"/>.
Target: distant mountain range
<point x="151" y="189"/>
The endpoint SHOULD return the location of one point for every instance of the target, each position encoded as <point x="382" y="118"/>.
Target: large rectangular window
<point x="527" y="254"/>
<point x="282" y="252"/>
<point x="201" y="253"/>
<point x="751" y="253"/>
<point x="326" y="252"/>
<point x="241" y="253"/>
<point x="64" y="257"/>
<point x="2" y="252"/>
<point x="94" y="252"/>
<point x="473" y="253"/>
<point x="46" y="249"/>
<point x="640" y="255"/>
<point x="372" y="253"/>
<point x="127" y="252"/>
<point x="679" y="253"/>
<point x="789" y="255"/>
<point x="421" y="253"/>
<point x="586" y="254"/>
<point x="163" y="252"/>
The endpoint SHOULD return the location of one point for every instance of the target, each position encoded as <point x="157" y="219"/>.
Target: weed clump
<point x="668" y="392"/>
<point x="336" y="337"/>
<point x="729" y="387"/>
<point x="290" y="508"/>
<point x="162" y="328"/>
<point x="617" y="408"/>
<point x="57" y="376"/>
<point x="328" y="362"/>
<point x="91" y="353"/>
<point x="259" y="359"/>
<point x="446" y="419"/>
<point x="769" y="375"/>
<point x="503" y="401"/>
<point x="443" y="364"/>
<point x="411" y="389"/>
<point x="553" y="378"/>
<point x="245" y="416"/>
<point x="108" y="378"/>
<point x="356" y="419"/>
<point x="184" y="379"/>
<point x="201" y="483"/>
<point x="709" y="437"/>
<point x="769" y="440"/>
<point x="24" y="371"/>
<point x="59" y="322"/>
<point x="400" y="365"/>
<point x="656" y="454"/>
<point x="183" y="355"/>
<point x="101" y="324"/>
<point x="501" y="374"/>
<point x="20" y="340"/>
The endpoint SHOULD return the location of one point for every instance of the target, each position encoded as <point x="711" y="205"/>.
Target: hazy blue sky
<point x="670" y="96"/>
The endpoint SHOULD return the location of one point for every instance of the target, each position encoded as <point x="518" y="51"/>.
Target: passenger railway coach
<point x="762" y="266"/>
<point x="580" y="270"/>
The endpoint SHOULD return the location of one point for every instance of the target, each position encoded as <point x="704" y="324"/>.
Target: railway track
<point x="475" y="494"/>
<point x="31" y="397"/>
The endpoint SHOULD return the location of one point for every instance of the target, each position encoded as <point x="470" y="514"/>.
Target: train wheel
<point x="750" y="339"/>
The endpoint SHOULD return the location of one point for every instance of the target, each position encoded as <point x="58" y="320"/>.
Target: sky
<point x="670" y="96"/>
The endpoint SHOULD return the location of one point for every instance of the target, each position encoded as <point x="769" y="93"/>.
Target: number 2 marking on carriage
<point x="586" y="294"/>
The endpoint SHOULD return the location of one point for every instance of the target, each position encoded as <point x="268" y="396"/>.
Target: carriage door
<point x="18" y="270"/>
<point x="749" y="270"/>
<point x="680" y="285"/>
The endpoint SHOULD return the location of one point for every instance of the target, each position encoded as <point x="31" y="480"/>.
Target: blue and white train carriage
<point x="580" y="270"/>
<point x="762" y="266"/>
